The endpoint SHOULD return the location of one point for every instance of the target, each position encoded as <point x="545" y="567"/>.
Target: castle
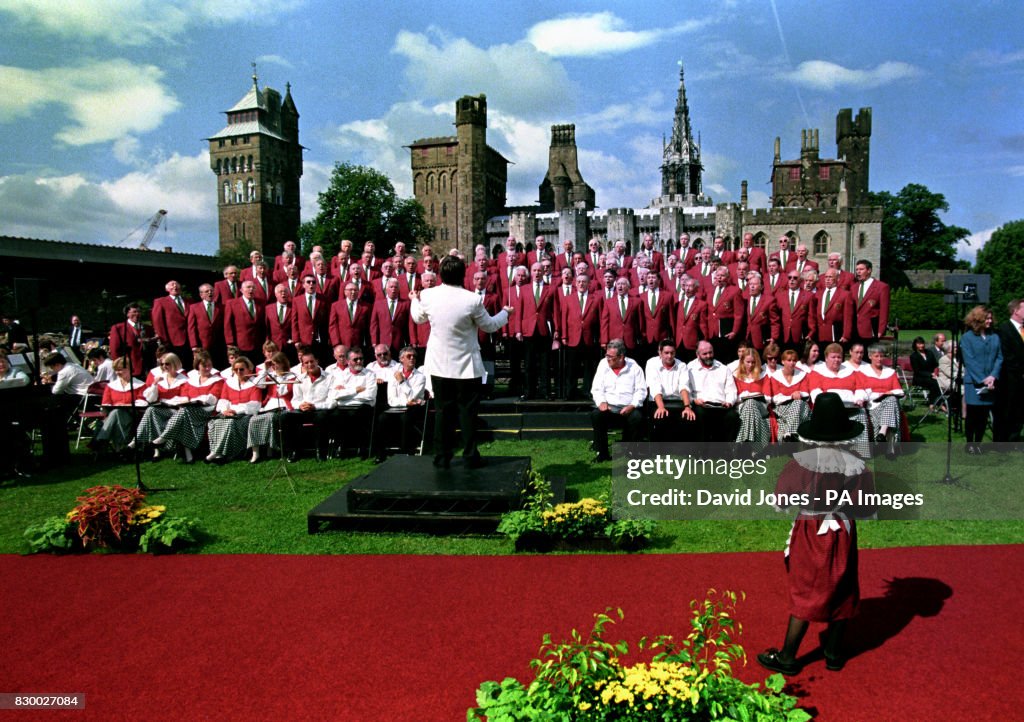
<point x="257" y="159"/>
<point x="820" y="202"/>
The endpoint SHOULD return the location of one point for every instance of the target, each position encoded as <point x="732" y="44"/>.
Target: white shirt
<point x="786" y="397"/>
<point x="105" y="371"/>
<point x="455" y="314"/>
<point x="668" y="382"/>
<point x="72" y="380"/>
<point x="314" y="392"/>
<point x="714" y="384"/>
<point x="344" y="384"/>
<point x="385" y="373"/>
<point x="627" y="388"/>
<point x="413" y="388"/>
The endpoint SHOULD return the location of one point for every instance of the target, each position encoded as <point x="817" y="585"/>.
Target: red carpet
<point x="410" y="638"/>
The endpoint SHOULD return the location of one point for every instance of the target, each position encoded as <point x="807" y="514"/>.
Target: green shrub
<point x="54" y="535"/>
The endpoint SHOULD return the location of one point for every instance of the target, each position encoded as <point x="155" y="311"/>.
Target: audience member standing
<point x="984" y="364"/>
<point x="1010" y="399"/>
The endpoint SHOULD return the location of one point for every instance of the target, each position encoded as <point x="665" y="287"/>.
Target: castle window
<point x="220" y="143"/>
<point x="431" y="210"/>
<point x="430" y="183"/>
<point x="280" y="194"/>
<point x="862" y="239"/>
<point x="251" y="190"/>
<point x="234" y="230"/>
<point x="794" y="173"/>
<point x="267" y="194"/>
<point x="239" y="190"/>
<point x="245" y="140"/>
<point x="234" y="140"/>
<point x="821" y="242"/>
<point x="227" y="192"/>
<point x="443" y="182"/>
<point x="216" y="168"/>
<point x="823" y="171"/>
<point x="248" y="163"/>
<point x="444" y="210"/>
<point x="243" y="230"/>
<point x="760" y="239"/>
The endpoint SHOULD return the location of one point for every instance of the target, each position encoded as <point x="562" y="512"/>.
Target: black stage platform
<point x="408" y="492"/>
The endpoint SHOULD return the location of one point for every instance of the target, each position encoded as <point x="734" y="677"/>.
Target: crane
<point x="154" y="225"/>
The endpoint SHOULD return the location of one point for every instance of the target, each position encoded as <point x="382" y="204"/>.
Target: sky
<point x="105" y="104"/>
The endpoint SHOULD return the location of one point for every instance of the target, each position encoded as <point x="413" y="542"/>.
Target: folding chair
<point x="89" y="412"/>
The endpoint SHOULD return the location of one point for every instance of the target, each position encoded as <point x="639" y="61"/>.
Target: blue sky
<point x="104" y="105"/>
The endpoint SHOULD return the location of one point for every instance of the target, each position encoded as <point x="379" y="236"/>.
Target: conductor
<point x="453" y="359"/>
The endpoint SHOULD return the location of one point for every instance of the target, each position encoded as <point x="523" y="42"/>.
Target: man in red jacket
<point x="536" y="325"/>
<point x="389" y="322"/>
<point x="659" y="313"/>
<point x="691" y="320"/>
<point x="206" y="326"/>
<point x="279" y="321"/>
<point x="311" y="314"/>
<point x="797" y="312"/>
<point x="835" y="312"/>
<point x="170" y="322"/>
<point x="349" y="321"/>
<point x="581" y="334"/>
<point x="244" y="323"/>
<point x="725" y="316"/>
<point x="622" y="318"/>
<point x="871" y="304"/>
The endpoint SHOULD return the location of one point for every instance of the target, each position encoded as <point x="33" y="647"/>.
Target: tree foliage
<point x="361" y="204"/>
<point x="1003" y="258"/>
<point x="920" y="310"/>
<point x="237" y="254"/>
<point x="913" y="234"/>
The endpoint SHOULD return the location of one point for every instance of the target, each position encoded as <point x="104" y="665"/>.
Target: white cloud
<point x="645" y="111"/>
<point x="74" y="208"/>
<point x="1017" y="171"/>
<point x="824" y="75"/>
<point x="512" y="76"/>
<point x="996" y="58"/>
<point x="968" y="248"/>
<point x="274" y="60"/>
<point x="602" y="33"/>
<point x="104" y="100"/>
<point x="137" y="22"/>
<point x="758" y="199"/>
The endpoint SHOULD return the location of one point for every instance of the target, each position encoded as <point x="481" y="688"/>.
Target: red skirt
<point x="822" y="571"/>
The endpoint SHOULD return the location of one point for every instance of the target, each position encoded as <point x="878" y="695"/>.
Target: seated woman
<point x="810" y="356"/>
<point x="925" y="367"/>
<point x="855" y="359"/>
<point x="156" y="372"/>
<point x="167" y="394"/>
<point x="187" y="426"/>
<point x="240" y="398"/>
<point x="11" y="377"/>
<point x="831" y="375"/>
<point x="118" y="397"/>
<point x="750" y="401"/>
<point x="770" y="355"/>
<point x="788" y="391"/>
<point x="949" y="370"/>
<point x="278" y="381"/>
<point x="269" y="349"/>
<point x="883" y="391"/>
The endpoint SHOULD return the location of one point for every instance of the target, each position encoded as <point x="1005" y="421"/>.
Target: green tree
<point x="1003" y="258"/>
<point x="236" y="254"/>
<point x="913" y="234"/>
<point x="361" y="204"/>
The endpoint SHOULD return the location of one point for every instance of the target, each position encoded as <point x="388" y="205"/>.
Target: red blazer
<point x="581" y="327"/>
<point x="329" y="289"/>
<point x="279" y="263"/>
<point x="242" y="329"/>
<point x="130" y="346"/>
<point x="221" y="293"/>
<point x="658" y="326"/>
<point x="674" y="285"/>
<point x="278" y="332"/>
<point x="246" y="274"/>
<point x="763" y="324"/>
<point x="403" y="284"/>
<point x="728" y="314"/>
<point x="657" y="261"/>
<point x="758" y="261"/>
<point x="204" y="332"/>
<point x="493" y="304"/>
<point x="808" y="264"/>
<point x="630" y="329"/>
<point x="838" y="319"/>
<point x="346" y="330"/>
<point x="781" y="283"/>
<point x="802" y="321"/>
<point x="533" y="319"/>
<point x="691" y="258"/>
<point x="419" y="333"/>
<point x="392" y="331"/>
<point x="561" y="262"/>
<point x="693" y="326"/>
<point x="310" y="329"/>
<point x="263" y="297"/>
<point x="872" y="311"/>
<point x="169" y="323"/>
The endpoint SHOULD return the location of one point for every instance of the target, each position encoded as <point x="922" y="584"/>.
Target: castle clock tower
<point x="257" y="159"/>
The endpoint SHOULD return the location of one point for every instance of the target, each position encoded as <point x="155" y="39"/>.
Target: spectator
<point x="713" y="392"/>
<point x="983" y="361"/>
<point x="618" y="391"/>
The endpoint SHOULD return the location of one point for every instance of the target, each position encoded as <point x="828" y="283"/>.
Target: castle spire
<point x="681" y="167"/>
<point x="255" y="78"/>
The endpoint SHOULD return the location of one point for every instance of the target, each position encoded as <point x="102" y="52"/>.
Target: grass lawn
<point x="239" y="514"/>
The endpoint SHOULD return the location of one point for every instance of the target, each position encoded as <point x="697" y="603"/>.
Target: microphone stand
<point x="131" y="394"/>
<point x="282" y="464"/>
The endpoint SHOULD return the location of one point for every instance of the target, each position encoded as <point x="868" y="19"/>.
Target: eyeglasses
<point x="355" y="358"/>
<point x="771" y="358"/>
<point x="383" y="353"/>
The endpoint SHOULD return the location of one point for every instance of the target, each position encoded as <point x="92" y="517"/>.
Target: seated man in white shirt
<point x="354" y="392"/>
<point x="311" y="403"/>
<point x="340" y="353"/>
<point x="618" y="391"/>
<point x="713" y="393"/>
<point x="102" y="365"/>
<point x="406" y="401"/>
<point x="383" y="367"/>
<point x="669" y="398"/>
<point x="67" y="379"/>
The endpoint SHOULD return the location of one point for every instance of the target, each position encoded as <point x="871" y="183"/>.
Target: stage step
<point x="408" y="492"/>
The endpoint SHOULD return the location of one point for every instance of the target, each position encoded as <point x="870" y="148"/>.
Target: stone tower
<point x="681" y="169"/>
<point x="471" y="197"/>
<point x="853" y="143"/>
<point x="258" y="162"/>
<point x="563" y="186"/>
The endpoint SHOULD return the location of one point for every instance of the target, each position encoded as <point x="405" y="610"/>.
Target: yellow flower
<point x="584" y="706"/>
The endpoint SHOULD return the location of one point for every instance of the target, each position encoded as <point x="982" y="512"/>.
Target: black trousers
<point x="293" y="421"/>
<point x="455" y="399"/>
<point x="580" y="362"/>
<point x="632" y="426"/>
<point x="716" y="423"/>
<point x="538" y="365"/>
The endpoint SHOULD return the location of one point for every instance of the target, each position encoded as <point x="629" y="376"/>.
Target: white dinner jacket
<point x="455" y="314"/>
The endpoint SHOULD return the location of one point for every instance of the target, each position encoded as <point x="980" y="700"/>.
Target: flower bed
<point x="583" y="679"/>
<point x="112" y="518"/>
<point x="586" y="524"/>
